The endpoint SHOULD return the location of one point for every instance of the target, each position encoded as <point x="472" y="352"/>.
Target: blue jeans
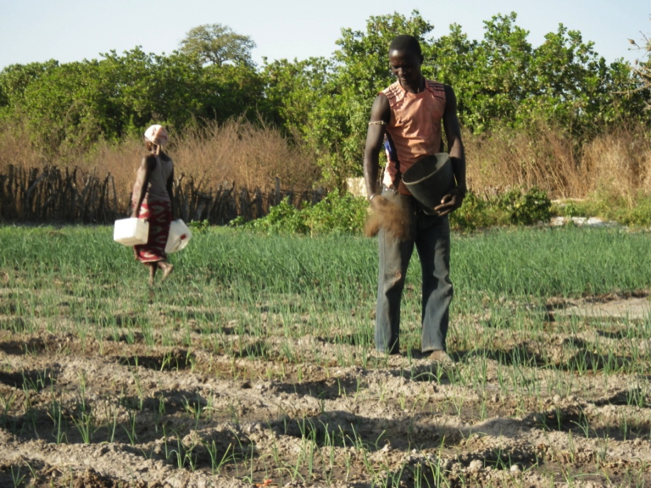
<point x="431" y="236"/>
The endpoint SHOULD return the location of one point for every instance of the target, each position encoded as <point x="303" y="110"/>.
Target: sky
<point x="74" y="30"/>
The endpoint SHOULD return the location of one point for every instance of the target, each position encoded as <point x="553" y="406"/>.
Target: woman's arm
<point x="142" y="182"/>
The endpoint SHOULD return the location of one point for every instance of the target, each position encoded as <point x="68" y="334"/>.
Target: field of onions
<point x="254" y="364"/>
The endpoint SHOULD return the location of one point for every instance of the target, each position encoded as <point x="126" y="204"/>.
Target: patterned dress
<point x="157" y="209"/>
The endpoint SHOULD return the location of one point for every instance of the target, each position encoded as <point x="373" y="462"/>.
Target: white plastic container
<point x="131" y="231"/>
<point x="178" y="237"/>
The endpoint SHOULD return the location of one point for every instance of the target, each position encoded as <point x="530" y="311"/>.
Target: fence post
<point x="277" y="196"/>
<point x="318" y="195"/>
<point x="259" y="210"/>
<point x="74" y="195"/>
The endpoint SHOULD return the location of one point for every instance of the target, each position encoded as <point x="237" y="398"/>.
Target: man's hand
<point x="451" y="201"/>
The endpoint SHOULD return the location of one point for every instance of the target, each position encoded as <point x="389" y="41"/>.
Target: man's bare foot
<point x="167" y="269"/>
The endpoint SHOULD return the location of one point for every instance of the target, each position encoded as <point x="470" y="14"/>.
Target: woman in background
<point x="152" y="200"/>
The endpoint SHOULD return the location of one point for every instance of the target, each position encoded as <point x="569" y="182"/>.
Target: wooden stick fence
<point x="71" y="195"/>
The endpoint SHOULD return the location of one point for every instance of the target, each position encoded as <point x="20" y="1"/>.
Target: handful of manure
<point x="389" y="215"/>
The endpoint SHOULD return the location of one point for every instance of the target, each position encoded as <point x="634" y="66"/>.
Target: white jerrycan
<point x="178" y="237"/>
<point x="131" y="231"/>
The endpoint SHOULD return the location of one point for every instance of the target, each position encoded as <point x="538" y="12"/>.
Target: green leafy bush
<point x="199" y="227"/>
<point x="346" y="214"/>
<point x="513" y="207"/>
<point x="570" y="210"/>
<point x="526" y="208"/>
<point x="475" y="213"/>
<point x="334" y="214"/>
<point x="337" y="213"/>
<point x="282" y="218"/>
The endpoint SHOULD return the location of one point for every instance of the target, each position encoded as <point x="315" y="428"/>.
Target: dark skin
<point x="406" y="66"/>
<point x="142" y="179"/>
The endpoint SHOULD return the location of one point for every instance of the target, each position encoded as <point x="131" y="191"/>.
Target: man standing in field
<point x="410" y="113"/>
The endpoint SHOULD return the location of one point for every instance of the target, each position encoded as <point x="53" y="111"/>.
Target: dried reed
<point x="249" y="156"/>
<point x="238" y="152"/>
<point x="618" y="162"/>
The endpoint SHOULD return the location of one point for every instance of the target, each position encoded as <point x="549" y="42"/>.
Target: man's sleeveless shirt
<point x="414" y="128"/>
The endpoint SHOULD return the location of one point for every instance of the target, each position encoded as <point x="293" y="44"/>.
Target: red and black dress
<point x="157" y="209"/>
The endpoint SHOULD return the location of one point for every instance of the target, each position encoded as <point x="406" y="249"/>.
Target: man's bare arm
<point x="380" y="116"/>
<point x="454" y="199"/>
<point x="453" y="133"/>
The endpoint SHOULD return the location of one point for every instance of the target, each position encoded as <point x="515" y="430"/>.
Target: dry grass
<point x="616" y="164"/>
<point x="249" y="155"/>
<point x="509" y="158"/>
<point x="620" y="164"/>
<point x="237" y="152"/>
<point x="16" y="148"/>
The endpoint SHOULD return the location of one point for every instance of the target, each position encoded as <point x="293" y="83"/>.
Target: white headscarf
<point x="157" y="135"/>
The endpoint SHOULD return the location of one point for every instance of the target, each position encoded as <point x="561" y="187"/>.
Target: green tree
<point x="15" y="78"/>
<point x="361" y="70"/>
<point x="499" y="81"/>
<point x="451" y="59"/>
<point x="292" y="90"/>
<point x="576" y="88"/>
<point x="230" y="91"/>
<point x="503" y="81"/>
<point x="217" y="44"/>
<point x="642" y="70"/>
<point x="76" y="104"/>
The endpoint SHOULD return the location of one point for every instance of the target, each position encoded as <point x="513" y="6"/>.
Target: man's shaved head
<point x="405" y="43"/>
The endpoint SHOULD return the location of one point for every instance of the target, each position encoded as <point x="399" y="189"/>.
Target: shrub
<point x="346" y="214"/>
<point x="199" y="227"/>
<point x="512" y="207"/>
<point x="526" y="208"/>
<point x="474" y="213"/>
<point x="282" y="218"/>
<point x="337" y="213"/>
<point x="334" y="214"/>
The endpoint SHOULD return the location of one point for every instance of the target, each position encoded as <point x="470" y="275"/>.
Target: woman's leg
<point x="152" y="272"/>
<point x="166" y="267"/>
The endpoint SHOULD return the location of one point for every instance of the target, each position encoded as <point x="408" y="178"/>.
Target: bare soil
<point x="114" y="412"/>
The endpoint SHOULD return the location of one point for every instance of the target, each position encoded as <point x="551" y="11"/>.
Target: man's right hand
<point x="450" y="202"/>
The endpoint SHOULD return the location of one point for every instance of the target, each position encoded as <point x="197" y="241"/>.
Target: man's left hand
<point x="451" y="201"/>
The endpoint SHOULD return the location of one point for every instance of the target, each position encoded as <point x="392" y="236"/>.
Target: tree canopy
<point x="500" y="81"/>
<point x="217" y="44"/>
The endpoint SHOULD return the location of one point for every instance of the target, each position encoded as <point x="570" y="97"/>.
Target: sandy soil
<point x="115" y="412"/>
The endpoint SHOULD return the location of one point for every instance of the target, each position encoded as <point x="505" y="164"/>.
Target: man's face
<point x="405" y="65"/>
